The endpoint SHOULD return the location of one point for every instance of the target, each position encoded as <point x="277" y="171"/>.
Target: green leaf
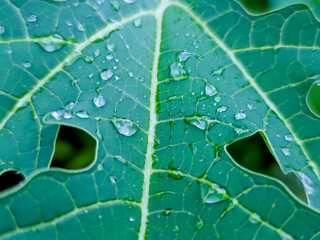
<point x="163" y="87"/>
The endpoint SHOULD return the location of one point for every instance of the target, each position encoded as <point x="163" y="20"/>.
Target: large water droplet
<point x="99" y="101"/>
<point x="240" y="115"/>
<point x="177" y="71"/>
<point x="57" y="114"/>
<point x="213" y="194"/>
<point x="32" y="18"/>
<point x="210" y="90"/>
<point x="199" y="123"/>
<point x="125" y="126"/>
<point x="70" y="106"/>
<point x="313" y="98"/>
<point x="51" y="45"/>
<point x="82" y="114"/>
<point x="106" y="74"/>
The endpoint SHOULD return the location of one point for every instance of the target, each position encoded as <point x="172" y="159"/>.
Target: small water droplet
<point x="132" y="219"/>
<point x="199" y="225"/>
<point x="67" y="114"/>
<point x="99" y="135"/>
<point x="106" y="74"/>
<point x="210" y="90"/>
<point x="285" y="151"/>
<point x="313" y="99"/>
<point x="26" y="64"/>
<point x="51" y="45"/>
<point x="110" y="47"/>
<point x="130" y="1"/>
<point x="82" y="114"/>
<point x="113" y="179"/>
<point x="289" y="138"/>
<point x="100" y="168"/>
<point x="99" y="101"/>
<point x="32" y="18"/>
<point x="2" y="30"/>
<point x="184" y="56"/>
<point x="250" y="107"/>
<point x="97" y="53"/>
<point x="222" y="109"/>
<point x="254" y="218"/>
<point x="57" y="114"/>
<point x="81" y="28"/>
<point x="125" y="126"/>
<point x="137" y="22"/>
<point x="109" y="57"/>
<point x="218" y="72"/>
<point x="167" y="212"/>
<point x="177" y="71"/>
<point x="131" y="74"/>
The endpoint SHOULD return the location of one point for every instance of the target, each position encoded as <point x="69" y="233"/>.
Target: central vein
<point x="152" y="123"/>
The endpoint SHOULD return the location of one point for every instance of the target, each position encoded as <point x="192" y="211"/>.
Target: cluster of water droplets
<point x="68" y="112"/>
<point x="125" y="127"/>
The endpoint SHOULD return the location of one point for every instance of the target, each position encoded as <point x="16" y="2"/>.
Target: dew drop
<point x="82" y="114"/>
<point x="110" y="47"/>
<point x="51" y="45"/>
<point x="184" y="56"/>
<point x="67" y="114"/>
<point x="115" y="5"/>
<point x="132" y="219"/>
<point x="2" y="30"/>
<point x="32" y="18"/>
<point x="307" y="183"/>
<point x="26" y="64"/>
<point x="313" y="98"/>
<point x="125" y="126"/>
<point x="214" y="194"/>
<point x="56" y="114"/>
<point x="113" y="179"/>
<point x="106" y="74"/>
<point x="199" y="123"/>
<point x="240" y="115"/>
<point x="285" y="151"/>
<point x="70" y="106"/>
<point x="210" y="90"/>
<point x="109" y="57"/>
<point x="131" y="74"/>
<point x="100" y="168"/>
<point x="137" y="22"/>
<point x="222" y="109"/>
<point x="99" y="101"/>
<point x="80" y="28"/>
<point x="99" y="135"/>
<point x="177" y="71"/>
<point x="289" y="138"/>
<point x="130" y="1"/>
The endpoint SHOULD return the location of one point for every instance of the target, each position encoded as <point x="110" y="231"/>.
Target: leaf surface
<point x="163" y="87"/>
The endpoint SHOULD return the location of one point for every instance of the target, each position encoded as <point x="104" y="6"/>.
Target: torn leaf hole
<point x="75" y="149"/>
<point x="10" y="179"/>
<point x="252" y="153"/>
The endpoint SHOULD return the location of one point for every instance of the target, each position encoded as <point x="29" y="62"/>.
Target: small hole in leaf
<point x="10" y="179"/>
<point x="75" y="149"/>
<point x="253" y="153"/>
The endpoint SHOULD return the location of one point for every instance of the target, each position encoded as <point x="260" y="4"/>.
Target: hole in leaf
<point x="256" y="5"/>
<point x="10" y="179"/>
<point x="253" y="153"/>
<point x="75" y="149"/>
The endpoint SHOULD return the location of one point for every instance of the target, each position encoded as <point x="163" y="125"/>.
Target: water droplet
<point x="199" y="224"/>
<point x="167" y="212"/>
<point x="100" y="168"/>
<point x="51" y="45"/>
<point x="313" y="99"/>
<point x="289" y="138"/>
<point x="175" y="174"/>
<point x="97" y="53"/>
<point x="240" y="115"/>
<point x="106" y="74"/>
<point x="199" y="123"/>
<point x="67" y="114"/>
<point x="82" y="114"/>
<point x="176" y="229"/>
<point x="115" y="5"/>
<point x="99" y="135"/>
<point x="2" y="30"/>
<point x="32" y="18"/>
<point x="214" y="194"/>
<point x="113" y="179"/>
<point x="125" y="126"/>
<point x="131" y="74"/>
<point x="184" y="56"/>
<point x="177" y="71"/>
<point x="109" y="57"/>
<point x="285" y="151"/>
<point x="110" y="47"/>
<point x="254" y="218"/>
<point x="307" y="183"/>
<point x="210" y="90"/>
<point x="130" y="1"/>
<point x="222" y="109"/>
<point x="99" y="101"/>
<point x="70" y="106"/>
<point x="57" y="115"/>
<point x="81" y="28"/>
<point x="250" y="107"/>
<point x="218" y="72"/>
<point x="26" y="64"/>
<point x="132" y="219"/>
<point x="137" y="22"/>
